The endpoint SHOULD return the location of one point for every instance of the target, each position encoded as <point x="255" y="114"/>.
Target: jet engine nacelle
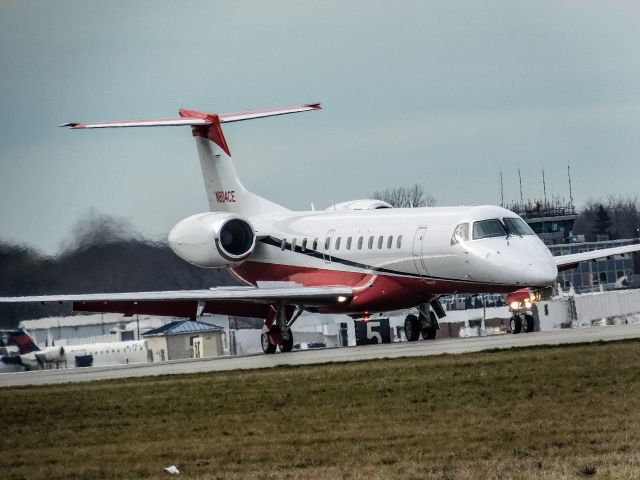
<point x="213" y="239"/>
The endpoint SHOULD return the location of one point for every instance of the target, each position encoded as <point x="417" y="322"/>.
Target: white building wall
<point x="555" y="315"/>
<point x="596" y="306"/>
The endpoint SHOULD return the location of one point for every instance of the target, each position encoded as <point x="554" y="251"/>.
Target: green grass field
<point x="550" y="413"/>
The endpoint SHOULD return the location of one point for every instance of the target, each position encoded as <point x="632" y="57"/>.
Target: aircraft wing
<point x="566" y="262"/>
<point x="241" y="301"/>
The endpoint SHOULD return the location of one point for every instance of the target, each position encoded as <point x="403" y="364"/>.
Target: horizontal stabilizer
<point x="196" y="118"/>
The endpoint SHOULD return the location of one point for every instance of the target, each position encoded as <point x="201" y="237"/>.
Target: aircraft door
<point x="419" y="240"/>
<point x="326" y="246"/>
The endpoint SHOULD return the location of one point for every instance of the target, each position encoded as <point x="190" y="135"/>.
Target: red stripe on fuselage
<point x="373" y="292"/>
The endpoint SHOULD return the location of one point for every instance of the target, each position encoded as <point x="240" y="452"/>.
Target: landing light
<point x="515" y="305"/>
<point x="342" y="299"/>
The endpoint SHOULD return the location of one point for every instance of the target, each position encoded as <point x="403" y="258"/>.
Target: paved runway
<point x="394" y="350"/>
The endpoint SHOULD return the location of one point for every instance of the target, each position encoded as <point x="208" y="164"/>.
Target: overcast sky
<point x="445" y="94"/>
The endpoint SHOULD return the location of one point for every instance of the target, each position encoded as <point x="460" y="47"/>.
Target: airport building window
<point x="283" y="244"/>
<point x="327" y="243"/>
<point x="315" y="244"/>
<point x="293" y="244"/>
<point x="304" y="244"/>
<point x="380" y="240"/>
<point x="390" y="241"/>
<point x="360" y="243"/>
<point x="399" y="241"/>
<point x="349" y="243"/>
<point x="370" y="242"/>
<point x="338" y="243"/>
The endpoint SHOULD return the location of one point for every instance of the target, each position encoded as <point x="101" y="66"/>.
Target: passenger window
<point x="399" y="241"/>
<point x="315" y="244"/>
<point x="390" y="241"/>
<point x="283" y="244"/>
<point x="304" y="244"/>
<point x="327" y="243"/>
<point x="293" y="244"/>
<point x="338" y="243"/>
<point x="371" y="242"/>
<point x="360" y="243"/>
<point x="380" y="240"/>
<point x="349" y="243"/>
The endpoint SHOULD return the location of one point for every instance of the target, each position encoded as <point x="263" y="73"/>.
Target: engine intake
<point x="213" y="239"/>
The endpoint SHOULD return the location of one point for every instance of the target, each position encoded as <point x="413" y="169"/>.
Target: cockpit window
<point x="489" y="228"/>
<point x="460" y="234"/>
<point x="517" y="226"/>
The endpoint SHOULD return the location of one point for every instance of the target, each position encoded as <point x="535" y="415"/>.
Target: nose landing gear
<point x="521" y="323"/>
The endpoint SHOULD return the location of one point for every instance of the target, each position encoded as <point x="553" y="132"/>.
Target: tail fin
<point x="225" y="192"/>
<point x="23" y="341"/>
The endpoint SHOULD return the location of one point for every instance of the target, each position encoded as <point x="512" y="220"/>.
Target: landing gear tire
<point x="412" y="328"/>
<point x="515" y="324"/>
<point x="287" y="345"/>
<point x="528" y="323"/>
<point x="430" y="332"/>
<point x="267" y="346"/>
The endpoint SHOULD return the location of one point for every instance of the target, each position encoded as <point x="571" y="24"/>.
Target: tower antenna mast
<point x="570" y="192"/>
<point x="520" y="178"/>
<point x="544" y="186"/>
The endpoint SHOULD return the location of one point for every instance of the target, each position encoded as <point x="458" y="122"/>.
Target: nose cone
<point x="541" y="274"/>
<point x="537" y="265"/>
<point x="522" y="261"/>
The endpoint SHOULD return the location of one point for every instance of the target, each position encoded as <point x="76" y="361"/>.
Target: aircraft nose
<point x="542" y="274"/>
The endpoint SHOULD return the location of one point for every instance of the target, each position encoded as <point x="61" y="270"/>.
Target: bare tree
<point x="403" y="197"/>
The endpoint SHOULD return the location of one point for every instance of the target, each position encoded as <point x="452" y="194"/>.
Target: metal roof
<point x="182" y="326"/>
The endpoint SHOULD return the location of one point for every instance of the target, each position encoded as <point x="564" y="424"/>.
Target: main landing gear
<point x="425" y="324"/>
<point x="276" y="333"/>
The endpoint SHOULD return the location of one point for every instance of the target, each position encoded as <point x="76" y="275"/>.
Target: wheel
<point x="528" y="323"/>
<point x="412" y="328"/>
<point x="430" y="332"/>
<point x="287" y="345"/>
<point x="267" y="346"/>
<point x="515" y="324"/>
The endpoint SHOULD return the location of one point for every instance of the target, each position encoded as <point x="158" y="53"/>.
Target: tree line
<point x="614" y="218"/>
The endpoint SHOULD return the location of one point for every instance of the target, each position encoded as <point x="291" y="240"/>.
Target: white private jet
<point x="357" y="257"/>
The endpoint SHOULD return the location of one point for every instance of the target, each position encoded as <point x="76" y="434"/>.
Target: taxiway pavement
<point x="308" y="357"/>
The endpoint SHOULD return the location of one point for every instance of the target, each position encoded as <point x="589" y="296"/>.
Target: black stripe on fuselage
<point x="275" y="242"/>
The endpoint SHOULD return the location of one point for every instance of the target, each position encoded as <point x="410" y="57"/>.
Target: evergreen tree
<point x="602" y="222"/>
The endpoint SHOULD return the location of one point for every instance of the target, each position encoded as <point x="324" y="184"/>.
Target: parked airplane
<point x="356" y="258"/>
<point x="18" y="349"/>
